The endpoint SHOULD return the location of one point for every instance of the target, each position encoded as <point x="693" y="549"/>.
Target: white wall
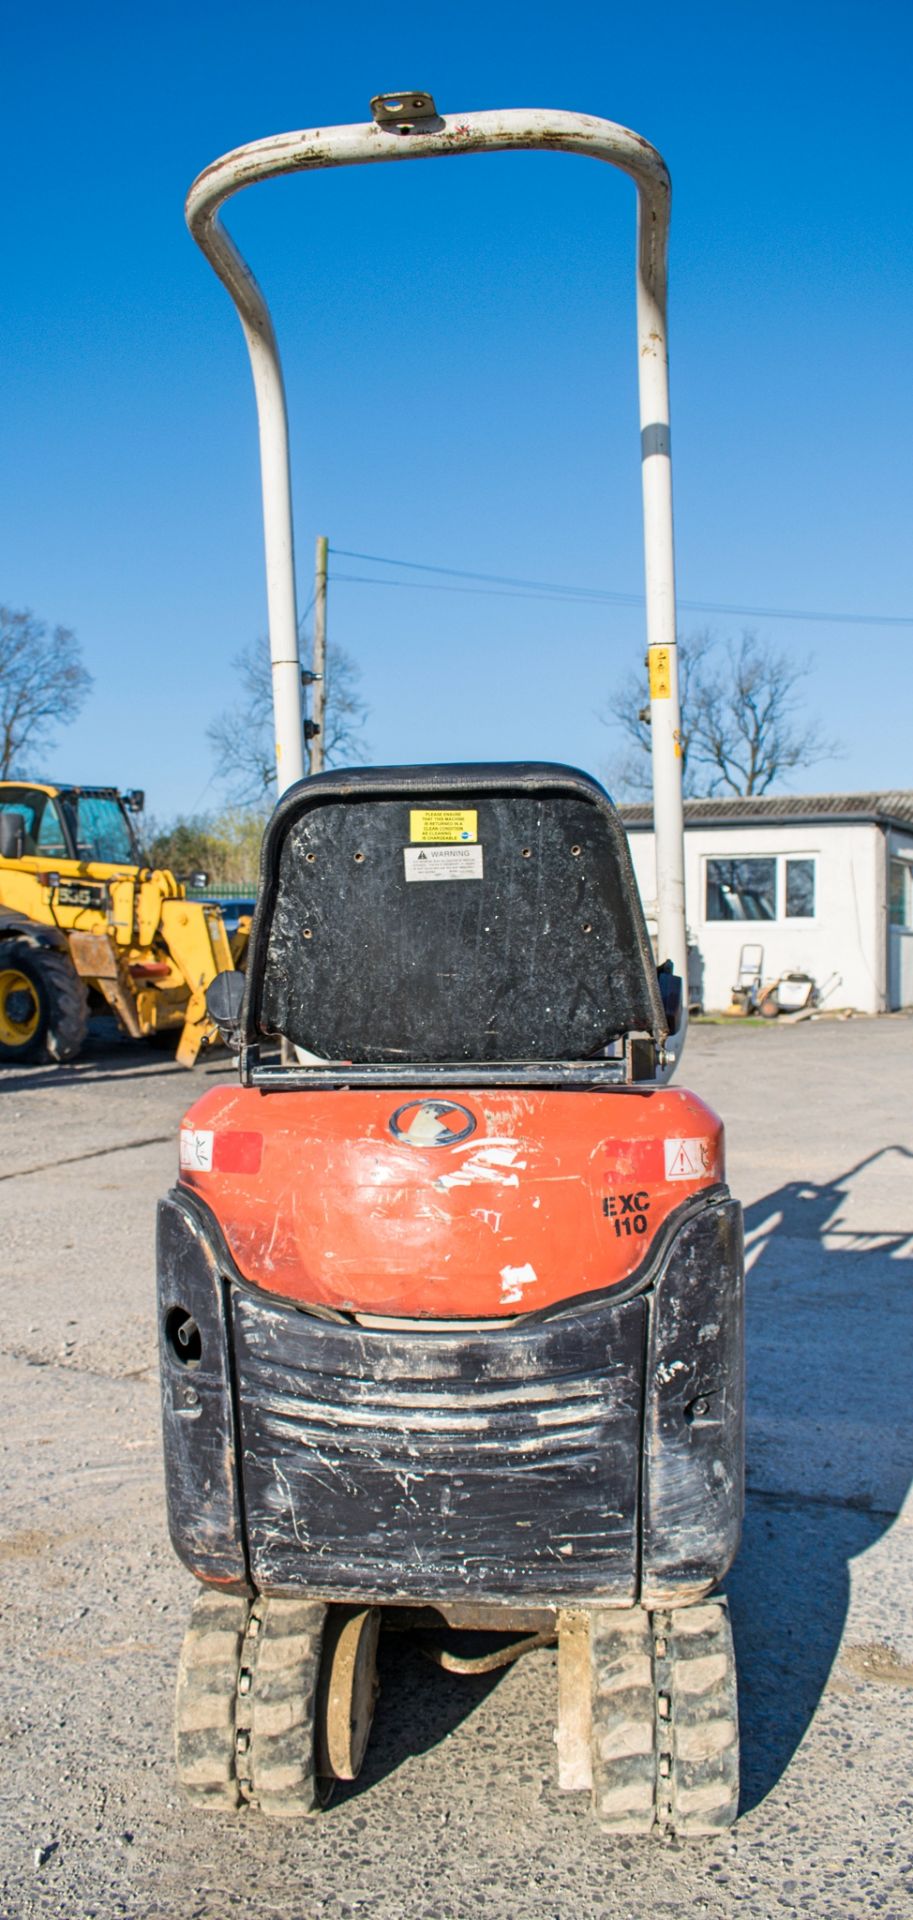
<point x="846" y="936"/>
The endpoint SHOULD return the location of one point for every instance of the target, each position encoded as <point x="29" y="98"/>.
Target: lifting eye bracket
<point x="402" y="109"/>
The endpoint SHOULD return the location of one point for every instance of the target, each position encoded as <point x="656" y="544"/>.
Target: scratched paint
<point x="403" y="1466"/>
<point x="494" y="1163"/>
<point x="342" y="1214"/>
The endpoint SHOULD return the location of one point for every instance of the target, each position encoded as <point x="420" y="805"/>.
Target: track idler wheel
<point x="275" y="1700"/>
<point x="348" y="1690"/>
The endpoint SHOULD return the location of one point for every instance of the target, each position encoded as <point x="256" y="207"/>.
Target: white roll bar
<point x="408" y="127"/>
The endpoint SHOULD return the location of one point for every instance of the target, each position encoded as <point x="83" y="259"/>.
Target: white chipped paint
<point x="492" y="1161"/>
<point x="666" y="1373"/>
<point x="196" y="1149"/>
<point x="690" y="1159"/>
<point x="478" y="1172"/>
<point x="488" y="1218"/>
<point x="498" y="1156"/>
<point x="513" y="1281"/>
<point x="502" y="1147"/>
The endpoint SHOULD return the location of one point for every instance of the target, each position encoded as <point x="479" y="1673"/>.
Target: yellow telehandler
<point x="83" y="921"/>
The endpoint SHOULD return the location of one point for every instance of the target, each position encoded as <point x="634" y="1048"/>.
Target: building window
<point x="800" y="889"/>
<point x="901" y="894"/>
<point x="742" y="889"/>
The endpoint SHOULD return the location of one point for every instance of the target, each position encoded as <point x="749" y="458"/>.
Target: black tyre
<point x="665" y="1731"/>
<point x="44" y="1007"/>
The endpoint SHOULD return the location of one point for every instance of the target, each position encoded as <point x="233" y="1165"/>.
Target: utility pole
<point x="319" y="662"/>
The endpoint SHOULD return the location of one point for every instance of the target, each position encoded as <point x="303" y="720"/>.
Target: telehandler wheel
<point x="665" y="1734"/>
<point x="44" y="1008"/>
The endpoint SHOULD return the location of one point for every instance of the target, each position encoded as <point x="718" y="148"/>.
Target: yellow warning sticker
<point x="443" y="823"/>
<point x="660" y="673"/>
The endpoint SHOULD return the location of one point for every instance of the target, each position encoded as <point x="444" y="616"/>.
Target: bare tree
<point x="749" y="728"/>
<point x="243" y="737"/>
<point x="43" y="685"/>
<point x="742" y="724"/>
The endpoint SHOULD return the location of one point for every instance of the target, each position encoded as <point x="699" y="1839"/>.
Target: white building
<point x="823" y="883"/>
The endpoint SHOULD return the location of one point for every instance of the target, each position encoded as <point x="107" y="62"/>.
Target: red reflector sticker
<point x="237" y="1152"/>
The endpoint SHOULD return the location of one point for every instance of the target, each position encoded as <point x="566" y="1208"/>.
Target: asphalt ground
<point x="457" y="1811"/>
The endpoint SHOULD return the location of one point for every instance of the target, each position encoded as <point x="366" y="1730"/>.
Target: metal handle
<point x="436" y="137"/>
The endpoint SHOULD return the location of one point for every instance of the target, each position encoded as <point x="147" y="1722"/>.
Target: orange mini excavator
<point x="451" y="1284"/>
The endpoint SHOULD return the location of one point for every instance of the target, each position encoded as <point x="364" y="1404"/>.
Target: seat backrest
<point x="474" y="914"/>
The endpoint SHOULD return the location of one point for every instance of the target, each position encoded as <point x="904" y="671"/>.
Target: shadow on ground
<point x="109" y="1056"/>
<point x="830" y="1446"/>
<point x="418" y="1706"/>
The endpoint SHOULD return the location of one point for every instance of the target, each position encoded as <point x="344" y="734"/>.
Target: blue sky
<point x="459" y="348"/>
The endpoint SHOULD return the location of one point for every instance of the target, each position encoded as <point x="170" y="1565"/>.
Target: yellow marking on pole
<point x="660" y="670"/>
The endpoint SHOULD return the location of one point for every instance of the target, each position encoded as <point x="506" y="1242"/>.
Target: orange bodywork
<point x="546" y="1196"/>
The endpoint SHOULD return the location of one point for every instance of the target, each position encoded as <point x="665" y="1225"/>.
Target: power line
<point x="441" y="586"/>
<point x="495" y="579"/>
<point x="509" y="586"/>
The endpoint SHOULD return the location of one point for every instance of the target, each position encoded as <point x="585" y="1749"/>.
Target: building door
<point x="900" y="935"/>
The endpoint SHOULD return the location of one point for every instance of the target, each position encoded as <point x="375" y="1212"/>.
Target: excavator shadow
<point x="830" y="1445"/>
<point x="418" y="1705"/>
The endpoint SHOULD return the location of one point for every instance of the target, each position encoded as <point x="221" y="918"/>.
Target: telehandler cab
<point x="84" y="921"/>
<point x="451" y="1289"/>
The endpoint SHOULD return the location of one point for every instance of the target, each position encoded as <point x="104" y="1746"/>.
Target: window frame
<point x="86" y="854"/>
<point x="905" y="868"/>
<point x="738" y="860"/>
<point x="780" y="863"/>
<point x="33" y="803"/>
<point x="805" y="860"/>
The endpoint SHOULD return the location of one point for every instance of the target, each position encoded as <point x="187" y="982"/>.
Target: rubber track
<point x="665" y="1737"/>
<point x="277" y="1691"/>
<point x="206" y="1698"/>
<point x="705" y="1717"/>
<point x="624" y="1713"/>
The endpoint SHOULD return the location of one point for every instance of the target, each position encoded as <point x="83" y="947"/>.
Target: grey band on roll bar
<point x="407" y="126"/>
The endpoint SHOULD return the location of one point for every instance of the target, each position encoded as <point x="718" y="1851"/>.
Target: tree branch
<point x="740" y="727"/>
